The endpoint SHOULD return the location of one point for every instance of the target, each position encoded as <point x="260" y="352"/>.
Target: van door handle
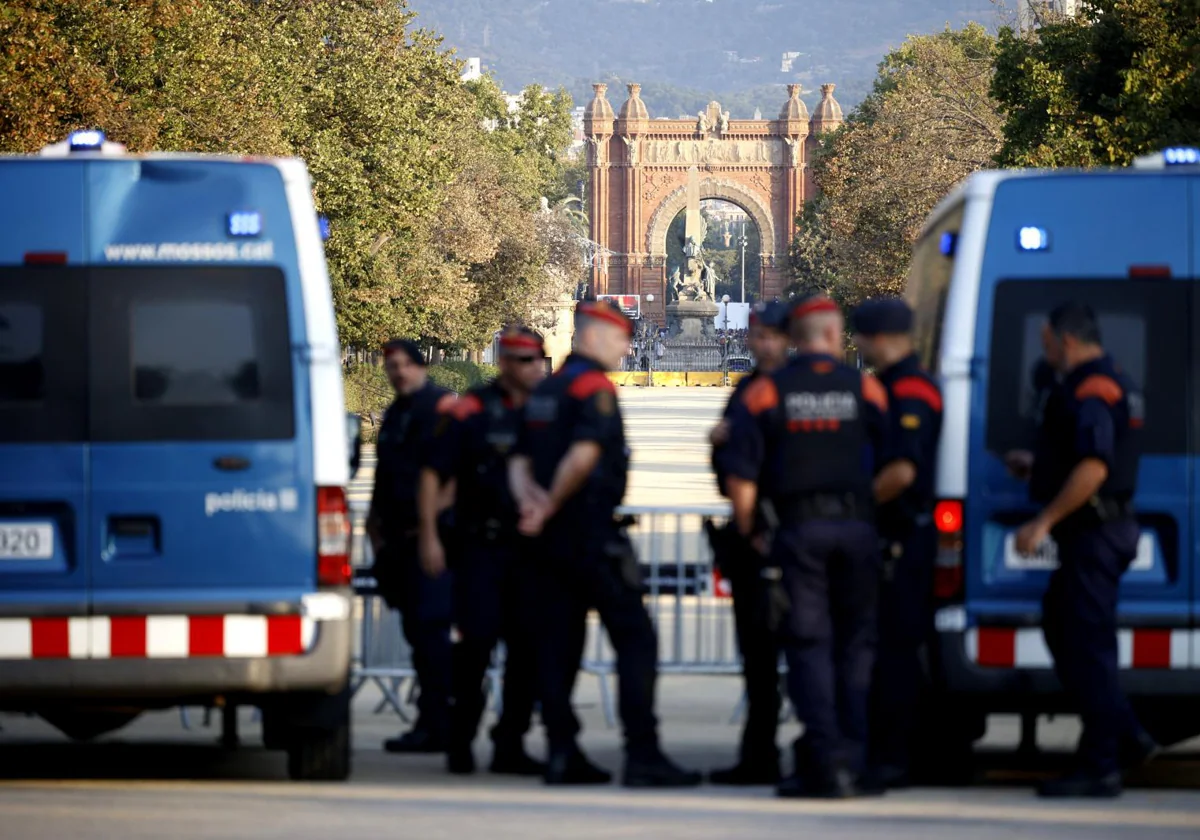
<point x="232" y="463"/>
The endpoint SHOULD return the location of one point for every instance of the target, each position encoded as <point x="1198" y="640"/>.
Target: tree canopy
<point x="928" y="122"/>
<point x="1121" y="78"/>
<point x="431" y="186"/>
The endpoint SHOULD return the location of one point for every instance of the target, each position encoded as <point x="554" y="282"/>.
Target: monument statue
<point x="693" y="289"/>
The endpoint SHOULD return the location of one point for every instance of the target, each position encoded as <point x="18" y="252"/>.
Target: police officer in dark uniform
<point x="423" y="601"/>
<point x="568" y="478"/>
<point x="806" y="440"/>
<point x="1084" y="474"/>
<point x="904" y="518"/>
<point x="491" y="568"/>
<point x="744" y="568"/>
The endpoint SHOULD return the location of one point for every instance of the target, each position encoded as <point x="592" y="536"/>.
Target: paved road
<point x="155" y="780"/>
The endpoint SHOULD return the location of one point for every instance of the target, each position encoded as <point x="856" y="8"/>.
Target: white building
<point x="473" y="70"/>
<point x="1031" y="13"/>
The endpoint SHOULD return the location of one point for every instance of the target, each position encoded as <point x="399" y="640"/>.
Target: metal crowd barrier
<point x="687" y="601"/>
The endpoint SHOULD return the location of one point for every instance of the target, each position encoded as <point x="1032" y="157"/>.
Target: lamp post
<point x="725" y="344"/>
<point x="653" y="340"/>
<point x="744" y="260"/>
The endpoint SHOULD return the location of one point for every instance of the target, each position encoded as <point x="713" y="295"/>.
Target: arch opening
<point x="732" y="248"/>
<point x="711" y="189"/>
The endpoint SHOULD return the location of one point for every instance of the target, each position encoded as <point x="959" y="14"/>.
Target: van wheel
<point x="320" y="755"/>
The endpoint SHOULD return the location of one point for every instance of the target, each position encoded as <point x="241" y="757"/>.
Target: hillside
<point x="684" y="51"/>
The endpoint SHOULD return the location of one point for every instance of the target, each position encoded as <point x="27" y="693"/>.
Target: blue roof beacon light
<point x="89" y="140"/>
<point x="245" y="223"/>
<point x="1181" y="156"/>
<point x="949" y="243"/>
<point x="1033" y="239"/>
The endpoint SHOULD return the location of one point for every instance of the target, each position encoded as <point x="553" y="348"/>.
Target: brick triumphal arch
<point x="639" y="172"/>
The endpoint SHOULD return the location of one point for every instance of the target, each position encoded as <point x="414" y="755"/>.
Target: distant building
<point x="1031" y="13"/>
<point x="473" y="70"/>
<point x="789" y="58"/>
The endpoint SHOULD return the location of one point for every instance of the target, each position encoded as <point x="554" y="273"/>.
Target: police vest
<point x="402" y="436"/>
<point x="1056" y="454"/>
<point x="484" y="492"/>
<point x="552" y="416"/>
<point x="819" y="444"/>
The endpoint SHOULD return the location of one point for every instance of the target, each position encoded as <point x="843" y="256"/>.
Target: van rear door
<point x="43" y="408"/>
<point x="197" y="497"/>
<point x="1097" y="256"/>
<point x="200" y="504"/>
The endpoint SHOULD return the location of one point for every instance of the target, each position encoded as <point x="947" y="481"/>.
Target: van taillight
<point x="333" y="537"/>
<point x="45" y="258"/>
<point x="948" y="566"/>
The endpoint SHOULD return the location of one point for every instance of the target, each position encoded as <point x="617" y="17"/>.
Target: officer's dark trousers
<point x="425" y="613"/>
<point x="492" y="601"/>
<point x="905" y="623"/>
<point x="575" y="576"/>
<point x="1079" y="620"/>
<point x="831" y="570"/>
<point x="760" y="663"/>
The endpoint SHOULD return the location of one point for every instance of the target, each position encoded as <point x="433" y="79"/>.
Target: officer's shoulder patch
<point x="761" y="395"/>
<point x="1101" y="387"/>
<point x="589" y="383"/>
<point x="606" y="402"/>
<point x="874" y="392"/>
<point x="918" y="388"/>
<point x="466" y="406"/>
<point x="910" y="421"/>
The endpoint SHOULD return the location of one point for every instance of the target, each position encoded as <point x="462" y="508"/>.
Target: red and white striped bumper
<point x="156" y="637"/>
<point x="1025" y="647"/>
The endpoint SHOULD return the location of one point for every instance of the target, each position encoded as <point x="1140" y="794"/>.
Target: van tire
<point x="320" y="755"/>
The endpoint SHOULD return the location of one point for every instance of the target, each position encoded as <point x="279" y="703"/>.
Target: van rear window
<point x="144" y="354"/>
<point x="43" y="355"/>
<point x="1143" y="325"/>
<point x="190" y="354"/>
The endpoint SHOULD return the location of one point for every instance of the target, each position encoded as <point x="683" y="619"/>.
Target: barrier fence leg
<point x="740" y="709"/>
<point x="606" y="701"/>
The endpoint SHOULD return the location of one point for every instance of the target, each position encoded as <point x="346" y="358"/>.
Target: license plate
<point x="1045" y="556"/>
<point x="26" y="541"/>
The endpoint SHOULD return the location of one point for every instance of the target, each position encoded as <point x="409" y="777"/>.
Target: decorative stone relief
<point x="749" y="152"/>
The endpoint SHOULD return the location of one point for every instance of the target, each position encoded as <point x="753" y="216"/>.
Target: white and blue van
<point x="994" y="257"/>
<point x="173" y="446"/>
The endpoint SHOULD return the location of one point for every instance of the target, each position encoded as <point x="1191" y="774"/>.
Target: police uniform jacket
<point x="578" y="403"/>
<point x="403" y="441"/>
<point x="816" y="427"/>
<point x="1096" y="412"/>
<point x="473" y="440"/>
<point x="915" y="413"/>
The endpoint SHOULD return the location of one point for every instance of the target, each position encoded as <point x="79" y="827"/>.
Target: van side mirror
<point x="354" y="439"/>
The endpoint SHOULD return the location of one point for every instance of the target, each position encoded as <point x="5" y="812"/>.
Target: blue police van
<point x="174" y="527"/>
<point x="994" y="257"/>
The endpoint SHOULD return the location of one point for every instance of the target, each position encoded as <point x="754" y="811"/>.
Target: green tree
<point x="928" y="123"/>
<point x="1120" y="79"/>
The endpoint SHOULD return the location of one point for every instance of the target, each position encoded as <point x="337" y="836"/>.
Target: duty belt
<point x="490" y="528"/>
<point x="826" y="506"/>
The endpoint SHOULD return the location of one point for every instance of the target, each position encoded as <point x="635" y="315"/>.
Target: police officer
<point x="805" y="439"/>
<point x="392" y="524"/>
<point x="904" y="518"/>
<point x="492" y="580"/>
<point x="758" y="758"/>
<point x="1084" y="474"/>
<point x="568" y="478"/>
